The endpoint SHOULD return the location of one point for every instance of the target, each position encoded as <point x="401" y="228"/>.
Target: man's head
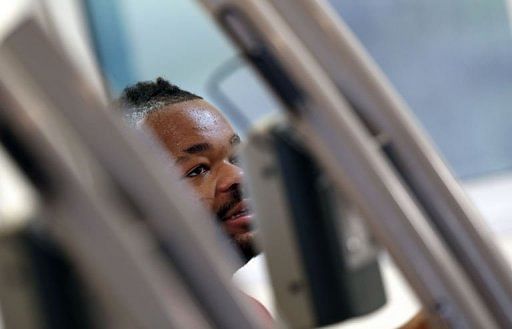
<point x="203" y="145"/>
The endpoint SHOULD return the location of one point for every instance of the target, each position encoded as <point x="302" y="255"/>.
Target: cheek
<point x="205" y="192"/>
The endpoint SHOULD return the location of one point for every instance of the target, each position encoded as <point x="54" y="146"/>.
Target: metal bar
<point x="345" y="61"/>
<point x="172" y="273"/>
<point x="355" y="161"/>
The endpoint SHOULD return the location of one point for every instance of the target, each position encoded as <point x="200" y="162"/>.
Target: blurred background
<point x="451" y="61"/>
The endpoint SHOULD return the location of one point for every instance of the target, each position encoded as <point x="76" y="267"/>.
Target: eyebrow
<point x="197" y="148"/>
<point x="203" y="147"/>
<point x="194" y="149"/>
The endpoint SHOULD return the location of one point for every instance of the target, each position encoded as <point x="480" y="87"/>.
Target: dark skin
<point x="204" y="145"/>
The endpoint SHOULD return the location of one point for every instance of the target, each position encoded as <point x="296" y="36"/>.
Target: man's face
<point x="203" y="145"/>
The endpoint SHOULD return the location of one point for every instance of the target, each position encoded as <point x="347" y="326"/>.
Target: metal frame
<point x="451" y="213"/>
<point x="138" y="239"/>
<point x="348" y="114"/>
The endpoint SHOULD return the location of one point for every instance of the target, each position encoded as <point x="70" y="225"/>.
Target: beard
<point x="244" y="242"/>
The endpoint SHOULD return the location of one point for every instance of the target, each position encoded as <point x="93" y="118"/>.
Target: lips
<point x="240" y="210"/>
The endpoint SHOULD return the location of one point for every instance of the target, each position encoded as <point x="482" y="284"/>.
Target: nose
<point x="230" y="178"/>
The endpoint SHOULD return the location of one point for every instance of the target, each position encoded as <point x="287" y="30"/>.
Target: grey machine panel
<point x="322" y="261"/>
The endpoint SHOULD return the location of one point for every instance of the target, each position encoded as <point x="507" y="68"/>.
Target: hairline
<point x="138" y="114"/>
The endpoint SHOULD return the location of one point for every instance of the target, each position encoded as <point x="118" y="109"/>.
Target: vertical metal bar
<point x="345" y="61"/>
<point x="179" y="244"/>
<point x="354" y="160"/>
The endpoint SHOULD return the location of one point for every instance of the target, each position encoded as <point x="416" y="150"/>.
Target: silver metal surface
<point x="132" y="229"/>
<point x="92" y="226"/>
<point x="345" y="61"/>
<point x="353" y="157"/>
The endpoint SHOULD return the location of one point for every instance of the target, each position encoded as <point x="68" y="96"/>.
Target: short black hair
<point x="138" y="100"/>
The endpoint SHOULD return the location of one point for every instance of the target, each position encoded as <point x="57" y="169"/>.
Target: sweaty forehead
<point x="197" y="121"/>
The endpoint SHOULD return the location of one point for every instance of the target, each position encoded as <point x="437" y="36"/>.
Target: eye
<point x="198" y="170"/>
